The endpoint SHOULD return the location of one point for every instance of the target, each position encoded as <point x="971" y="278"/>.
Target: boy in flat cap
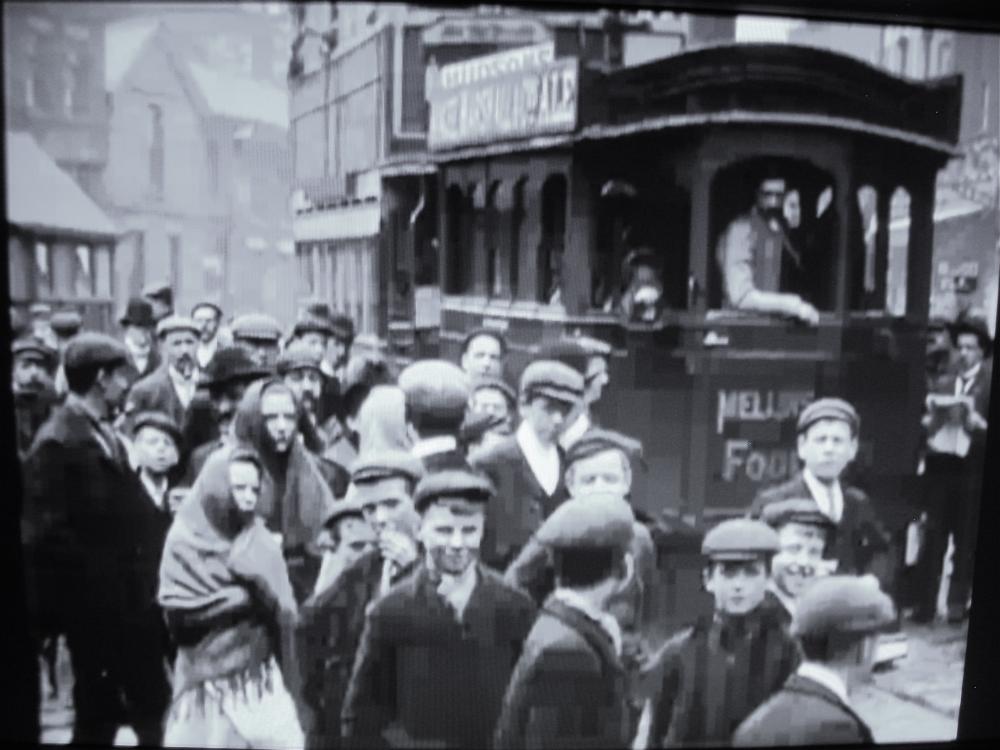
<point x="259" y="335"/>
<point x="446" y="638"/>
<point x="139" y="327"/>
<point x="437" y="394"/>
<point x="827" y="442"/>
<point x="527" y="467"/>
<point x="713" y="675"/>
<point x="90" y="558"/>
<point x="569" y="687"/>
<point x="156" y="440"/>
<point x="208" y="317"/>
<point x="331" y="622"/>
<point x="953" y="470"/>
<point x="346" y="537"/>
<point x="836" y="622"/>
<point x="172" y="387"/>
<point x="483" y="353"/>
<point x="34" y="393"/>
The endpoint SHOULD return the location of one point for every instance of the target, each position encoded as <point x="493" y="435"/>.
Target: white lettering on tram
<point x="759" y="406"/>
<point x="741" y="460"/>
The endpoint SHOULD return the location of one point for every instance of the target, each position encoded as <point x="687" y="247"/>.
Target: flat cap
<point x="93" y="349"/>
<point x="38" y="349"/>
<point x="158" y="290"/>
<point x="842" y="605"/>
<point x="66" y="322"/>
<point x="740" y="539"/>
<point x="256" y="327"/>
<point x="829" y="408"/>
<point x="493" y="333"/>
<point x="592" y="346"/>
<point x="596" y="440"/>
<point x="297" y="356"/>
<point x="483" y="382"/>
<point x="568" y="351"/>
<point x="465" y="483"/>
<point x="161" y="421"/>
<point x="230" y="364"/>
<point x="553" y="379"/>
<point x="375" y="466"/>
<point x="309" y="323"/>
<point x="794" y="510"/>
<point x="350" y="505"/>
<point x="173" y="323"/>
<point x="436" y="388"/>
<point x="206" y="303"/>
<point x="602" y="524"/>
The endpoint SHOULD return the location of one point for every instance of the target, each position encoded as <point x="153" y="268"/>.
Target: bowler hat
<point x="975" y="326"/>
<point x="138" y="312"/>
<point x="343" y="327"/>
<point x="231" y="364"/>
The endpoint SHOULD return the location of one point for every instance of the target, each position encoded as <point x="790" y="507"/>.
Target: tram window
<point x="43" y="270"/>
<point x="459" y="216"/>
<point x="517" y="215"/>
<point x="550" y="255"/>
<point x="494" y="270"/>
<point x="899" y="253"/>
<point x="868" y="207"/>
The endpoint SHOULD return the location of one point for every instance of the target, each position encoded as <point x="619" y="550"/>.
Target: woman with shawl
<point x="228" y="602"/>
<point x="382" y="420"/>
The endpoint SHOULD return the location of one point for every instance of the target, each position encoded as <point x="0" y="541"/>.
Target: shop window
<point x="899" y="252"/>
<point x="43" y="270"/>
<point x="83" y="277"/>
<point x="64" y="270"/>
<point x="517" y="216"/>
<point x="553" y="241"/>
<point x="767" y="195"/>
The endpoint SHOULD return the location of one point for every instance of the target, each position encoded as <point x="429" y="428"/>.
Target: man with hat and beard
<point x="138" y="324"/>
<point x="569" y="687"/>
<point x="259" y="335"/>
<point x="437" y="394"/>
<point x="836" y="622"/>
<point x="330" y="624"/>
<point x="527" y="468"/>
<point x="827" y="442"/>
<point x="954" y="459"/>
<point x="90" y="557"/>
<point x="161" y="297"/>
<point x="34" y="394"/>
<point x="446" y="638"/>
<point x="207" y="316"/>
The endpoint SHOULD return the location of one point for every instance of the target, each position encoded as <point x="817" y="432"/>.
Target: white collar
<point x="825" y="677"/>
<point x="829" y="498"/>
<point x="576" y="430"/>
<point x="607" y="622"/>
<point x="542" y="459"/>
<point x="156" y="490"/>
<point x="177" y="377"/>
<point x="438" y="444"/>
<point x="964" y="381"/>
<point x="206" y="351"/>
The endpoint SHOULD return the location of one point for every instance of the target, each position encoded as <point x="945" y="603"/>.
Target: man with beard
<point x="751" y="253"/>
<point x="446" y="638"/>
<point x="207" y="316"/>
<point x="138" y="324"/>
<point x="161" y="297"/>
<point x="294" y="496"/>
<point x="527" y="467"/>
<point x="90" y="558"/>
<point x="331" y="623"/>
<point x="332" y="336"/>
<point x="258" y="335"/>
<point x="172" y="387"/>
<point x="230" y="372"/>
<point x="437" y="394"/>
<point x="34" y="394"/>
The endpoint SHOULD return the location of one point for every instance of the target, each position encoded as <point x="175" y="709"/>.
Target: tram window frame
<point x="518" y="214"/>
<point x="554" y="194"/>
<point x="493" y="243"/>
<point x="897" y="306"/>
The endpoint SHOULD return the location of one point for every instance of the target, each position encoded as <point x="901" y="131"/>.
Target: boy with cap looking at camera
<point x="569" y="687"/>
<point x="446" y="638"/>
<point x="836" y="621"/>
<point x="156" y="442"/>
<point x="827" y="443"/>
<point x="527" y="467"/>
<point x="331" y="622"/>
<point x="713" y="675"/>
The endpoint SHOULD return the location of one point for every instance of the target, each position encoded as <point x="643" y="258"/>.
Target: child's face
<point x="800" y="557"/>
<point x="155" y="450"/>
<point x="827" y="447"/>
<point x="244" y="485"/>
<point x="738" y="586"/>
<point x="604" y="474"/>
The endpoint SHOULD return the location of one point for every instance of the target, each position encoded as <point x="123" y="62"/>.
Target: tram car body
<point x="539" y="211"/>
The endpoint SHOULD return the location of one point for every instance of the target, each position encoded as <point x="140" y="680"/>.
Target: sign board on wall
<point x="485" y="31"/>
<point x="514" y="94"/>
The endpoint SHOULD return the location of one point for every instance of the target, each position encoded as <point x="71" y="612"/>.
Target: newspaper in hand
<point x="950" y="414"/>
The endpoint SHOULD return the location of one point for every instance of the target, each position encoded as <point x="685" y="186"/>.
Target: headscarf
<point x="382" y="420"/>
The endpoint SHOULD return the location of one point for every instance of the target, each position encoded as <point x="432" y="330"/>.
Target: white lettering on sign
<point x="496" y="66"/>
<point x="741" y="461"/>
<point x="759" y="406"/>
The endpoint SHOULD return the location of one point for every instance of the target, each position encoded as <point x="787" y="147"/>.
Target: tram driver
<point x="751" y="253"/>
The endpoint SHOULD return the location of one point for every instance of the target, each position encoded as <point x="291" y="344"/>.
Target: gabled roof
<point x="123" y="41"/>
<point x="241" y="97"/>
<point x="42" y="196"/>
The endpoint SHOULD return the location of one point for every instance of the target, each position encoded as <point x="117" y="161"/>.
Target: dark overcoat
<point x="156" y="392"/>
<point x="521" y="504"/>
<point x="423" y="675"/>
<point x="568" y="689"/>
<point x="803" y="712"/>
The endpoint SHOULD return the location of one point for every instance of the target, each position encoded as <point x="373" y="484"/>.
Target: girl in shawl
<point x="228" y="602"/>
<point x="382" y="420"/>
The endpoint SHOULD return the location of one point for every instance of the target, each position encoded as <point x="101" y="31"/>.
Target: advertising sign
<point x="513" y="94"/>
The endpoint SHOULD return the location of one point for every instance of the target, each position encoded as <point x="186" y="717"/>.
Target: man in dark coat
<point x="439" y="648"/>
<point x="836" y="622"/>
<point x="527" y="468"/>
<point x="331" y="622"/>
<point x="207" y="316"/>
<point x="139" y="326"/>
<point x="715" y="674"/>
<point x="90" y="557"/>
<point x="569" y="688"/>
<point x="827" y="442"/>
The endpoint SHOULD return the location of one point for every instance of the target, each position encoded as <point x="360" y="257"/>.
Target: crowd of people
<point x="250" y="537"/>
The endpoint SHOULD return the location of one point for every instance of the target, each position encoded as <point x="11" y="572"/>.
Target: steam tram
<point x="538" y="223"/>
